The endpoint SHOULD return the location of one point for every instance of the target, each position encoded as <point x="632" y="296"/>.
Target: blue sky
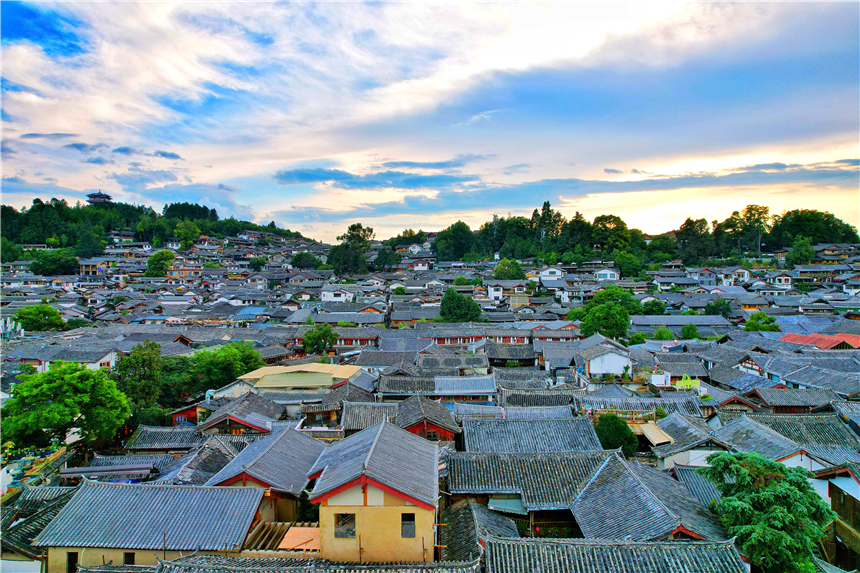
<point x="406" y="115"/>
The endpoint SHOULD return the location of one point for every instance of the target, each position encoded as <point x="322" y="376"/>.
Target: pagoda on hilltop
<point x="99" y="197"/>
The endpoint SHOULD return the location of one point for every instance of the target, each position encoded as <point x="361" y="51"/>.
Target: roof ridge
<point x="372" y="446"/>
<point x="648" y="489"/>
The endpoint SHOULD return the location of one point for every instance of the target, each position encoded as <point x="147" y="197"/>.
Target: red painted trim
<point x="245" y="477"/>
<point x="316" y="475"/>
<point x="364" y="480"/>
<point x="682" y="529"/>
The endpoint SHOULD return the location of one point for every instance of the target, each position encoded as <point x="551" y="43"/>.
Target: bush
<point x="663" y="333"/>
<point x="613" y="433"/>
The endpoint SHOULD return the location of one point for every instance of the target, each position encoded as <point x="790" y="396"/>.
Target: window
<point x="344" y="525"/>
<point x="128" y="558"/>
<point x="407" y="525"/>
<point x="433" y="436"/>
<point x="72" y="562"/>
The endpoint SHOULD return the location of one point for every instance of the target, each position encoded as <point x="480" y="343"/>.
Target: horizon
<point x="402" y="116"/>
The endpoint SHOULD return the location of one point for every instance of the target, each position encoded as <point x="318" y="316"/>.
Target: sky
<point x="416" y="115"/>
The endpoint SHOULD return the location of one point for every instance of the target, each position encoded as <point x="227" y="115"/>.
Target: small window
<point x="128" y="558"/>
<point x="344" y="525"/>
<point x="72" y="562"/>
<point x="407" y="525"/>
<point x="432" y="436"/>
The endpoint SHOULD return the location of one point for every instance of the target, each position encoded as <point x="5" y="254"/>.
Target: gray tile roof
<point x="282" y="461"/>
<point x="416" y="409"/>
<point x="684" y="431"/>
<point x="556" y="396"/>
<point x="496" y="351"/>
<point x="822" y="434"/>
<point x="199" y="465"/>
<point x="545" y="481"/>
<point x="687" y="405"/>
<point x="362" y="415"/>
<point x="746" y="435"/>
<point x="174" y="438"/>
<point x="701" y="487"/>
<point x="231" y="564"/>
<point x="388" y="454"/>
<point x="249" y="407"/>
<point x="530" y="435"/>
<point x="608" y="556"/>
<point x="467" y="524"/>
<point x="455" y="361"/>
<point x="812" y="397"/>
<point x="148" y="517"/>
<point x="19" y="537"/>
<point x="628" y="500"/>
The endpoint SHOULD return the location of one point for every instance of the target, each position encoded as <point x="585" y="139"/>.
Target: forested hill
<point x="83" y="227"/>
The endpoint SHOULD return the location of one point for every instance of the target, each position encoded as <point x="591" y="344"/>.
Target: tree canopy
<point x="609" y="319"/>
<point x="138" y="374"/>
<point x="217" y="367"/>
<point x="454" y="242"/>
<point x="772" y="509"/>
<point x="721" y="307"/>
<point x="305" y="260"/>
<point x="67" y="396"/>
<point x="507" y="269"/>
<point x="458" y="308"/>
<point x="158" y="263"/>
<point x="613" y="433"/>
<point x="802" y="252"/>
<point x="40" y="317"/>
<point x="256" y="264"/>
<point x="319" y="339"/>
<point x="689" y="332"/>
<point x="761" y="322"/>
<point x="59" y="262"/>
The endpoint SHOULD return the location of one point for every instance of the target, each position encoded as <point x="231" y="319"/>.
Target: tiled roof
<point x="390" y="455"/>
<point x="467" y="524"/>
<point x="495" y="351"/>
<point x="149" y="517"/>
<point x="250" y="407"/>
<point x="557" y="396"/>
<point x="545" y="481"/>
<point x="164" y="438"/>
<point x="231" y="564"/>
<point x="628" y="500"/>
<point x="282" y="461"/>
<point x="814" y="397"/>
<point x="697" y="484"/>
<point x="361" y="415"/>
<point x="416" y="409"/>
<point x="530" y="435"/>
<point x="607" y="556"/>
<point x="687" y="405"/>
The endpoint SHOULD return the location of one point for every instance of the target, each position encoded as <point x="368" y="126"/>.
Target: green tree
<point x="663" y="334"/>
<point x="721" y="307"/>
<point x="305" y="260"/>
<point x="89" y="245"/>
<point x="689" y="332"/>
<point x="761" y="322"/>
<point x="619" y="296"/>
<point x="9" y="251"/>
<point x="637" y="338"/>
<point x="319" y="339"/>
<point x="458" y="308"/>
<point x="74" y="323"/>
<point x="138" y="375"/>
<point x="611" y="232"/>
<point x="358" y="236"/>
<point x="609" y="319"/>
<point x="158" y="263"/>
<point x="818" y="226"/>
<point x="695" y="242"/>
<point x="654" y="308"/>
<point x="773" y="510"/>
<point x="59" y="262"/>
<point x="386" y="258"/>
<point x="461" y="281"/>
<point x="756" y="222"/>
<point x="454" y="242"/>
<point x="186" y="231"/>
<point x="509" y="270"/>
<point x="628" y="265"/>
<point x="399" y="291"/>
<point x="256" y="264"/>
<point x="40" y="318"/>
<point x="347" y="259"/>
<point x="68" y="396"/>
<point x="212" y="265"/>
<point x="802" y="252"/>
<point x="613" y="433"/>
<point x="218" y="367"/>
<point x="177" y="381"/>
